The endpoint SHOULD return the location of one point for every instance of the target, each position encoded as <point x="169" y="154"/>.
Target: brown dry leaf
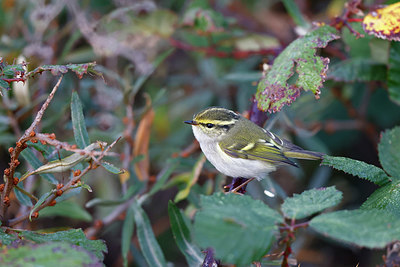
<point x="141" y="147"/>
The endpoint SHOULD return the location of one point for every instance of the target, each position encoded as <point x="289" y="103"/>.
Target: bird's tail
<point x="303" y="154"/>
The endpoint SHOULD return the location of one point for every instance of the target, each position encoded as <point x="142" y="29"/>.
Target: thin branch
<point x="14" y="152"/>
<point x="40" y="113"/>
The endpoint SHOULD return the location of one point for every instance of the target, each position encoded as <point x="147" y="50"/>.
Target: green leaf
<point x="364" y="228"/>
<point x="78" y="122"/>
<point x="111" y="168"/>
<point x="5" y="85"/>
<point x="28" y="155"/>
<point x="49" y="254"/>
<point x="310" y="202"/>
<point x="386" y="198"/>
<point x="299" y="63"/>
<point x="238" y="228"/>
<point x="79" y="69"/>
<point x="295" y="13"/>
<point x="73" y="236"/>
<point x="106" y="202"/>
<point x="40" y="202"/>
<point x="357" y="168"/>
<point x="389" y="152"/>
<point x="22" y="198"/>
<point x="68" y="209"/>
<point x="357" y="69"/>
<point x="150" y="248"/>
<point x="6" y="239"/>
<point x="127" y="233"/>
<point x="183" y="237"/>
<point x="393" y="81"/>
<point x="165" y="174"/>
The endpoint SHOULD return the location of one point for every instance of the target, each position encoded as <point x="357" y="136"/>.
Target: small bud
<point x="59" y="193"/>
<point x="59" y="186"/>
<point x="15" y="180"/>
<point x="16" y="162"/>
<point x="19" y="144"/>
<point x="10" y="150"/>
<point x="77" y="173"/>
<point x="54" y="202"/>
<point x="1" y="187"/>
<point x="34" y="141"/>
<point x="7" y="172"/>
<point x="32" y="134"/>
<point x="43" y="142"/>
<point x="52" y="136"/>
<point x="6" y="201"/>
<point x="98" y="224"/>
<point x="35" y="214"/>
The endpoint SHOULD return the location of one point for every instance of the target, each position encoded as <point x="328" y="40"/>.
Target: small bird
<point x="238" y="147"/>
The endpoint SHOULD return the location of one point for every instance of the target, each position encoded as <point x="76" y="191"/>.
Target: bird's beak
<point x="191" y="122"/>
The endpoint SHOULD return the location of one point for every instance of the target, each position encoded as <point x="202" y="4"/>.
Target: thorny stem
<point x="65" y="188"/>
<point x="9" y="173"/>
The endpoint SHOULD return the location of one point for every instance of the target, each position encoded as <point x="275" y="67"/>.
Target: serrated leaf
<point x="73" y="236"/>
<point x="363" y="228"/>
<point x="127" y="233"/>
<point x="239" y="229"/>
<point x="150" y="248"/>
<point x="385" y="198"/>
<point x="40" y="202"/>
<point x="68" y="209"/>
<point x="49" y="254"/>
<point x="393" y="75"/>
<point x="111" y="168"/>
<point x="28" y="155"/>
<point x="183" y="237"/>
<point x="389" y="152"/>
<point x="78" y="122"/>
<point x="357" y="168"/>
<point x="309" y="202"/>
<point x="275" y="90"/>
<point x="357" y="69"/>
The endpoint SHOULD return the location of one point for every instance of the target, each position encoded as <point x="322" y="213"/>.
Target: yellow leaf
<point x="384" y="22"/>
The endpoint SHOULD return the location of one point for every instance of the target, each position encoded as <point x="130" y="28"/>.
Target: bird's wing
<point x="261" y="150"/>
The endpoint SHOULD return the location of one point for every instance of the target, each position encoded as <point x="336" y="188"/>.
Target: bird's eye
<point x="209" y="125"/>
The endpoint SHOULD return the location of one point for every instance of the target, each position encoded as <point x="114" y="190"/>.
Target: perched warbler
<point x="238" y="147"/>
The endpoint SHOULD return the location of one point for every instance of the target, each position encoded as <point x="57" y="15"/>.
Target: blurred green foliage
<point x="162" y="62"/>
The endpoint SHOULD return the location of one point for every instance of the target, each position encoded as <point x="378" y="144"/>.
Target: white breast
<point x="234" y="167"/>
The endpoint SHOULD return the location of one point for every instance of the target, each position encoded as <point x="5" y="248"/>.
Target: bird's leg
<point x="236" y="189"/>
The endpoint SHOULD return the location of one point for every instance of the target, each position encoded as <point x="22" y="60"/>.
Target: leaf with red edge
<point x="384" y="22"/>
<point x="297" y="67"/>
